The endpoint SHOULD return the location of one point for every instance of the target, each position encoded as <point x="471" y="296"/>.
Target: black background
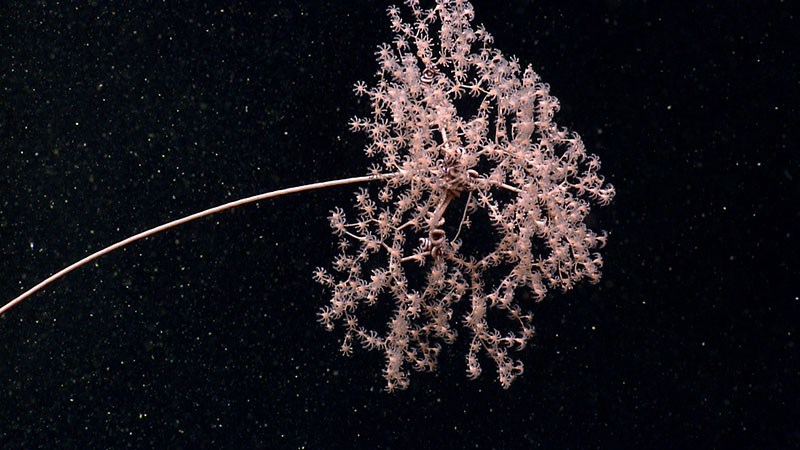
<point x="114" y="119"/>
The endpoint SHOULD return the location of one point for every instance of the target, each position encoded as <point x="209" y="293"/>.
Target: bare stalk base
<point x="168" y="225"/>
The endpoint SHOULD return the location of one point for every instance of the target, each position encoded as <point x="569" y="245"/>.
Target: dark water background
<point x="117" y="118"/>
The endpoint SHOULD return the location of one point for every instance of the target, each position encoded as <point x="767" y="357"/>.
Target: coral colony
<point x="478" y="199"/>
<point x="453" y="118"/>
